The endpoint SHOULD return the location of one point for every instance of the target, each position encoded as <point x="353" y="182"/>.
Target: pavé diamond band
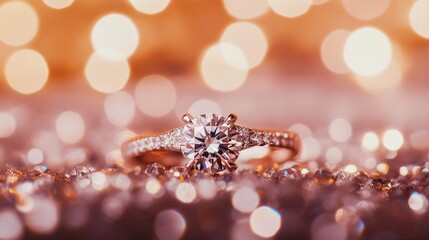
<point x="211" y="142"/>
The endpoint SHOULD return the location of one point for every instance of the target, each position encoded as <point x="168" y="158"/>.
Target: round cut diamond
<point x="210" y="141"/>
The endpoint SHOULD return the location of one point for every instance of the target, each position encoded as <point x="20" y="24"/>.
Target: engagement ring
<point x="209" y="142"/>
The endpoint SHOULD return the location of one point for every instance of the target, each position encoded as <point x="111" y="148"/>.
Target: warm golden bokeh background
<point x="351" y="71"/>
<point x="79" y="77"/>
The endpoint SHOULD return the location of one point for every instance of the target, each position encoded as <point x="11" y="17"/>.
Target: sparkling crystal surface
<point x="210" y="141"/>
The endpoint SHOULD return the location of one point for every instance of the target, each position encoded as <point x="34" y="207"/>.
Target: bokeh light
<point x="393" y="139"/>
<point x="252" y="8"/>
<point x="332" y="51"/>
<point x="120" y="108"/>
<point x="311" y="149"/>
<point x="265" y="221"/>
<point x="202" y="106"/>
<point x="43" y="217"/>
<point x="10" y="225"/>
<point x="370" y="141"/>
<point x="340" y="130"/>
<point x="365" y="9"/>
<point x="290" y="8"/>
<point x="350" y="168"/>
<point x="185" y="192"/>
<point x="418" y="203"/>
<point x="367" y="51"/>
<point x="150" y="6"/>
<point x="301" y="129"/>
<point x="58" y="4"/>
<point x="245" y="199"/>
<point x="153" y="186"/>
<point x="35" y="75"/>
<point x="35" y="156"/>
<point x="98" y="181"/>
<point x="155" y="95"/>
<point x="105" y="75"/>
<point x="8" y="124"/>
<point x="249" y="38"/>
<point x="19" y="23"/>
<point x="115" y="37"/>
<point x="169" y="225"/>
<point x="224" y="67"/>
<point x="383" y="168"/>
<point x="70" y="127"/>
<point x="388" y="79"/>
<point x="206" y="188"/>
<point x="419" y="17"/>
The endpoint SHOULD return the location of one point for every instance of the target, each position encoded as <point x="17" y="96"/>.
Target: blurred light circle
<point x="206" y="188"/>
<point x="332" y="51"/>
<point x="419" y="17"/>
<point x="204" y="106"/>
<point x="311" y="149"/>
<point x="186" y="192"/>
<point x="367" y="51"/>
<point x="8" y="124"/>
<point x="26" y="71"/>
<point x="249" y="38"/>
<point x="98" y="181"/>
<point x="155" y="95"/>
<point x="58" y="4"/>
<point x="265" y="221"/>
<point x="106" y="76"/>
<point x="10" y="225"/>
<point x="340" y="130"/>
<point x="301" y="129"/>
<point x="43" y="218"/>
<point x="370" y="141"/>
<point x="290" y="8"/>
<point x="169" y="225"/>
<point x="150" y="6"/>
<point x="120" y="108"/>
<point x="115" y="36"/>
<point x="333" y="156"/>
<point x="350" y="168"/>
<point x="153" y="186"/>
<point x="245" y="199"/>
<point x="393" y="139"/>
<point x="35" y="156"/>
<point x="382" y="168"/>
<point x="388" y="79"/>
<point x="252" y="8"/>
<point x="224" y="67"/>
<point x="418" y="203"/>
<point x="19" y="23"/>
<point x="365" y="9"/>
<point x="70" y="127"/>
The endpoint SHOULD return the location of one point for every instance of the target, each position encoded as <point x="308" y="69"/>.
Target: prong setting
<point x="232" y="118"/>
<point x="187" y="118"/>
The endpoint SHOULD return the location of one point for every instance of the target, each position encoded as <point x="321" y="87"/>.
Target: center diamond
<point x="211" y="142"/>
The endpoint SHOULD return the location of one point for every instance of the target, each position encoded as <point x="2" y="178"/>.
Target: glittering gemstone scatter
<point x="195" y="204"/>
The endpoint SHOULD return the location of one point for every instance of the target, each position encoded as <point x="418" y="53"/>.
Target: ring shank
<point x="165" y="147"/>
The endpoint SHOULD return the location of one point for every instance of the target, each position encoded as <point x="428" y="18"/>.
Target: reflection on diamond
<point x="210" y="140"/>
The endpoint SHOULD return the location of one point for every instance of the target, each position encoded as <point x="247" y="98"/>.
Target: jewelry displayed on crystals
<point x="211" y="142"/>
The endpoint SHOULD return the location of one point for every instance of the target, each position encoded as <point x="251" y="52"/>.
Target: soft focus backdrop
<point x="80" y="77"/>
<point x="82" y="71"/>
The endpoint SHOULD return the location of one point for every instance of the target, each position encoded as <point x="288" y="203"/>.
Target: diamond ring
<point x="210" y="142"/>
